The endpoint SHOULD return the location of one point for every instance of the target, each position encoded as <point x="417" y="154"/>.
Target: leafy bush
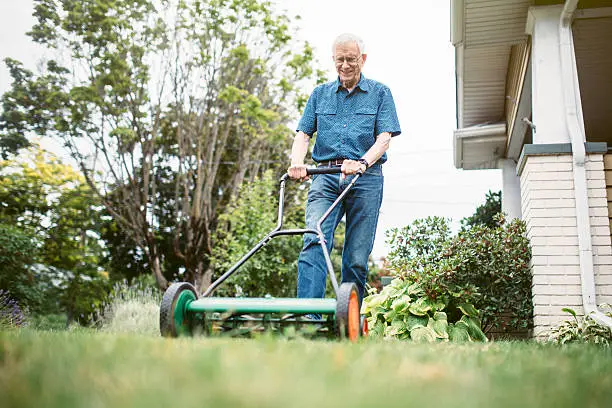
<point x="583" y="330"/>
<point x="272" y="270"/>
<point x="403" y="310"/>
<point x="11" y="314"/>
<point x="487" y="267"/>
<point x="18" y="250"/>
<point x="83" y="294"/>
<point x="496" y="260"/>
<point x="77" y="293"/>
<point x="421" y="252"/>
<point x="48" y="322"/>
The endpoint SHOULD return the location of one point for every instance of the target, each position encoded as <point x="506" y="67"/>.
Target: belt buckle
<point x="332" y="163"/>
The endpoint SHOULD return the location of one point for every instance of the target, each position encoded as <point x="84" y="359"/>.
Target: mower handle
<point x="323" y="170"/>
<point x="278" y="230"/>
<point x="316" y="170"/>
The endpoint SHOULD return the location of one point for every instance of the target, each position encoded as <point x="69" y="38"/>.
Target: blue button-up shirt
<point x="347" y="124"/>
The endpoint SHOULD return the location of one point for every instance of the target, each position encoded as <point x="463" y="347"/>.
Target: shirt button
<point x="345" y="125"/>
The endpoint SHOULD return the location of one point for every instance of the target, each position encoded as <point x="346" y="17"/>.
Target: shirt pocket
<point x="364" y="119"/>
<point x="326" y="117"/>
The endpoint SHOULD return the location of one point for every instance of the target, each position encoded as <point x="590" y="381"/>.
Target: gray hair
<point x="347" y="38"/>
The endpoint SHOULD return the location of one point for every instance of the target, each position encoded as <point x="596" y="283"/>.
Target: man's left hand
<point x="352" y="167"/>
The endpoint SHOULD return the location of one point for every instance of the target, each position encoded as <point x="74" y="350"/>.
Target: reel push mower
<point x="183" y="312"/>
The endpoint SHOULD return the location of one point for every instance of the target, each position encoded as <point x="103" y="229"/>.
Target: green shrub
<point x="75" y="293"/>
<point x="403" y="310"/>
<point x="582" y="330"/>
<point x="83" y="294"/>
<point x="272" y="270"/>
<point x="487" y="267"/>
<point x="496" y="261"/>
<point x="48" y="322"/>
<point x="18" y="250"/>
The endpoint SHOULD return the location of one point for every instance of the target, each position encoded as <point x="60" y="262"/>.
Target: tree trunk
<point x="203" y="280"/>
<point x="153" y="256"/>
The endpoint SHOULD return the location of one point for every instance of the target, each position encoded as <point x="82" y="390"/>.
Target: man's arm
<point x="388" y="126"/>
<point x="301" y="141"/>
<point x="378" y="149"/>
<point x="372" y="155"/>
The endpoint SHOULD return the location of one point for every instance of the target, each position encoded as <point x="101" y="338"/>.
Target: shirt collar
<point x="362" y="84"/>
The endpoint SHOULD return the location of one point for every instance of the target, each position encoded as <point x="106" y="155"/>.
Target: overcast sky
<point x="409" y="50"/>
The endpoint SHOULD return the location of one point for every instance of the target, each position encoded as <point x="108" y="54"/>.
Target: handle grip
<point x="316" y="170"/>
<point x="323" y="170"/>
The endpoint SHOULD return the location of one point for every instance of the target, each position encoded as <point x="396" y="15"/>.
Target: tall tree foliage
<point x="167" y="106"/>
<point x="485" y="213"/>
<point x="50" y="241"/>
<point x="49" y="200"/>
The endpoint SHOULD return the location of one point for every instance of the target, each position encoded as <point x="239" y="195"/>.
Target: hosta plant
<point x="582" y="330"/>
<point x="404" y="311"/>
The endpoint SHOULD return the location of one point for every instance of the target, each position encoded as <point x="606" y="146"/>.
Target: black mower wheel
<point x="173" y="319"/>
<point x="347" y="312"/>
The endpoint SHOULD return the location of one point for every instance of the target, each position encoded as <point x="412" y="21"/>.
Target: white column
<point x="511" y="193"/>
<point x="547" y="81"/>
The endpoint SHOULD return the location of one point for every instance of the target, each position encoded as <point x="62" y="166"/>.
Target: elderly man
<point x="354" y="118"/>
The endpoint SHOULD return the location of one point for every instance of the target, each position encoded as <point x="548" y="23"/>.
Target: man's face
<point x="349" y="63"/>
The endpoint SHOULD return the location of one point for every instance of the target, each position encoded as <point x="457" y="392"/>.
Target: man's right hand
<point x="297" y="172"/>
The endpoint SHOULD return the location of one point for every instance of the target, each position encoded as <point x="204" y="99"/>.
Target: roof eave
<point x="493" y="135"/>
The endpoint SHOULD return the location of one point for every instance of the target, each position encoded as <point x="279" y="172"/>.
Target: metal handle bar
<point x="277" y="231"/>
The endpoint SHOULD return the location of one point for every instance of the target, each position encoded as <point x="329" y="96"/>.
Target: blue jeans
<point x="361" y="206"/>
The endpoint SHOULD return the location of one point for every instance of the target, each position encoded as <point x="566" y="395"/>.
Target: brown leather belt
<point x="332" y="163"/>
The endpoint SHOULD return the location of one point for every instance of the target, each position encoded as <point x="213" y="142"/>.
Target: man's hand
<point x="351" y="167"/>
<point x="297" y="172"/>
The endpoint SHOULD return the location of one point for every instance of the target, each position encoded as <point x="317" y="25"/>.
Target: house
<point x="534" y="99"/>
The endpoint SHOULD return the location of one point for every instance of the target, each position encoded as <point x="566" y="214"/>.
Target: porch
<point x="535" y="100"/>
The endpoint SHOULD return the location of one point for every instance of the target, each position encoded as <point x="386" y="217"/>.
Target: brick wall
<point x="603" y="270"/>
<point x="548" y="206"/>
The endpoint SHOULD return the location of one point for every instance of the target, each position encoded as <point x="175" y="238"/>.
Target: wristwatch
<point x="364" y="161"/>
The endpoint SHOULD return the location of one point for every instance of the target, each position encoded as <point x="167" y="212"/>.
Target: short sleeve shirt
<point x="347" y="124"/>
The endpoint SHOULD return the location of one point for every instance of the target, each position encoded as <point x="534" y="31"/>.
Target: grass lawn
<point x="90" y="369"/>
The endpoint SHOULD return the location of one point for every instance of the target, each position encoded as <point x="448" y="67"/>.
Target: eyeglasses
<point x="348" y="60"/>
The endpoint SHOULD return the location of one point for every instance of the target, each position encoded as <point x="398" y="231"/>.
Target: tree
<point x="48" y="199"/>
<point x="167" y="106"/>
<point x="42" y="197"/>
<point x="485" y="214"/>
